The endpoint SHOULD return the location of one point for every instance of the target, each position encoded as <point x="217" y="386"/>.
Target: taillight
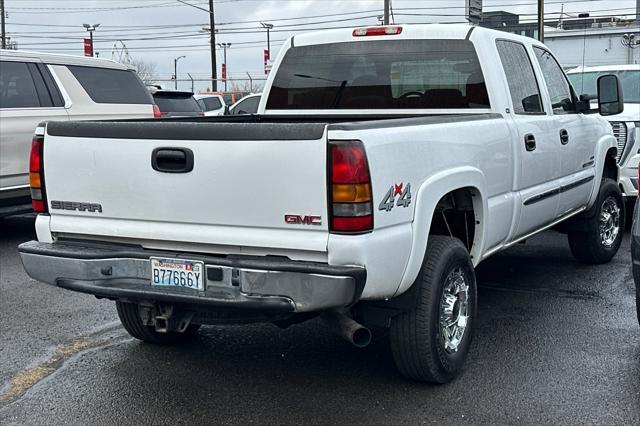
<point x="156" y="111"/>
<point x="376" y="31"/>
<point x="36" y="172"/>
<point x="350" y="196"/>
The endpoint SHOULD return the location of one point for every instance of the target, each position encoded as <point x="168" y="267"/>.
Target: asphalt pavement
<point x="555" y="342"/>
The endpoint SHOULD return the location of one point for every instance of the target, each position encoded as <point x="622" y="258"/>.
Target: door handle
<point x="529" y="142"/>
<point x="564" y="137"/>
<point x="172" y="160"/>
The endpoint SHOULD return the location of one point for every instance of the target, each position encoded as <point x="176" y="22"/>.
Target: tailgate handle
<point x="172" y="160"/>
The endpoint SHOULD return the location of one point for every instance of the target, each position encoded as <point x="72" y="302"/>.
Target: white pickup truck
<point x="383" y="165"/>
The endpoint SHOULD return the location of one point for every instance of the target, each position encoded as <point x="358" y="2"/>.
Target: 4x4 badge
<point x="389" y="200"/>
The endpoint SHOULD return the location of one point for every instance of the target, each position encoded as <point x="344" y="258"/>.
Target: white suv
<point x="36" y="87"/>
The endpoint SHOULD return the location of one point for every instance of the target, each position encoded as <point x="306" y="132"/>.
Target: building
<point x="594" y="41"/>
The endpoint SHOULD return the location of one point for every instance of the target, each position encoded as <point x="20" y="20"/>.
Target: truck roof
<point x="601" y="68"/>
<point x="51" y="58"/>
<point x="409" y="31"/>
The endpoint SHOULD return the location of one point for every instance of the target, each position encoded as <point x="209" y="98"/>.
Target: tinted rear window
<point x="170" y="102"/>
<point x="111" y="86"/>
<point x="210" y="103"/>
<point x="380" y="74"/>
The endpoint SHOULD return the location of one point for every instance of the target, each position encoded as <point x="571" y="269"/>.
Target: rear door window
<point x="170" y="102"/>
<point x="210" y="103"/>
<point x="111" y="86"/>
<point x="390" y="74"/>
<point x="17" y="88"/>
<point x="521" y="78"/>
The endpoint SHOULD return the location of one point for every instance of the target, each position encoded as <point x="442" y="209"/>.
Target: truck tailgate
<point x="245" y="178"/>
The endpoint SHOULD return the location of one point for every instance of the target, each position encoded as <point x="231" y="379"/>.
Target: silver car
<point x="36" y="87"/>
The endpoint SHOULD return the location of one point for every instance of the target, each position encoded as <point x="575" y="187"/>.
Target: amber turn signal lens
<point x="34" y="180"/>
<point x="351" y="193"/>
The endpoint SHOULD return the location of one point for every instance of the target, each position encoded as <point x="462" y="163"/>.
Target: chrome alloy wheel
<point x="609" y="222"/>
<point x="454" y="310"/>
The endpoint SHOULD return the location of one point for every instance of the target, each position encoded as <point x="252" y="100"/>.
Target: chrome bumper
<point x="271" y="285"/>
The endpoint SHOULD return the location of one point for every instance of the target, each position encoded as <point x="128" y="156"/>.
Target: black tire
<point x="416" y="338"/>
<point x="587" y="245"/>
<point x="130" y="319"/>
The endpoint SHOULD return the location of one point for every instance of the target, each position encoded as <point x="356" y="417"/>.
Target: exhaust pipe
<point x="355" y="333"/>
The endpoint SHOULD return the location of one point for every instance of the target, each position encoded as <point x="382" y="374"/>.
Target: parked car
<point x="211" y="104"/>
<point x="383" y="165"/>
<point x="175" y="103"/>
<point x="626" y="125"/>
<point x="246" y="105"/>
<point x="35" y="87"/>
<point x="635" y="255"/>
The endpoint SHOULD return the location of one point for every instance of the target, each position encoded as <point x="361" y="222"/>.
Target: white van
<point x="36" y="87"/>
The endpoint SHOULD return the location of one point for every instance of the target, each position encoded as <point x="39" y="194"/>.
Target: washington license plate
<point x="177" y="273"/>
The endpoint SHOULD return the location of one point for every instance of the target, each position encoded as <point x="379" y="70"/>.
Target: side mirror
<point x="610" y="100"/>
<point x="226" y="110"/>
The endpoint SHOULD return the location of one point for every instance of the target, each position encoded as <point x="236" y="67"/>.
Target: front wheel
<point x="601" y="236"/>
<point x="430" y="342"/>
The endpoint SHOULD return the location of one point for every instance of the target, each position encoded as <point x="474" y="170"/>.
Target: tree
<point x="146" y="70"/>
<point x="246" y="85"/>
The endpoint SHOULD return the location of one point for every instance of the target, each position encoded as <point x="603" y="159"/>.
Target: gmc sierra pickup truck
<point x="383" y="165"/>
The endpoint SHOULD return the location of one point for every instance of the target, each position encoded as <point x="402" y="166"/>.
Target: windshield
<point x="586" y="83"/>
<point x="168" y="102"/>
<point x="400" y="74"/>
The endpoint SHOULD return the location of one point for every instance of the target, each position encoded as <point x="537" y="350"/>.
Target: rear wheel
<point x="601" y="236"/>
<point x="129" y="314"/>
<point x="430" y="342"/>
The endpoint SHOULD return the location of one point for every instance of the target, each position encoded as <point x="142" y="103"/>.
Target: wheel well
<point x="455" y="216"/>
<point x="610" y="165"/>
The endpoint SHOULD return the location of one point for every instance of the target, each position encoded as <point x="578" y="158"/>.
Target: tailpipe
<point x="355" y="333"/>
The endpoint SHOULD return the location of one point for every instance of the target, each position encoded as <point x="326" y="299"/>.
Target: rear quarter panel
<point x="433" y="159"/>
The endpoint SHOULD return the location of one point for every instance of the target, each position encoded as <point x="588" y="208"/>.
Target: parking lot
<point x="555" y="342"/>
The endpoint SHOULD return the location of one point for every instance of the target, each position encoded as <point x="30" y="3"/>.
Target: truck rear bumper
<point x="269" y="286"/>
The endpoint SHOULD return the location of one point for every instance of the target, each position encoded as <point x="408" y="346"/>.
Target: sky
<point x="157" y="31"/>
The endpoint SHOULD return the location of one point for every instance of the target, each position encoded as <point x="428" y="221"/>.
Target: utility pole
<point x="214" y="65"/>
<point x="226" y="69"/>
<point x="268" y="27"/>
<point x="387" y="6"/>
<point x="212" y="40"/>
<point x="4" y="34"/>
<point x="541" y="20"/>
<point x="175" y="70"/>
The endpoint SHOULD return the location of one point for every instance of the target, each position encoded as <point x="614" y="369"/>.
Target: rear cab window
<point x="390" y="74"/>
<point x="111" y="86"/>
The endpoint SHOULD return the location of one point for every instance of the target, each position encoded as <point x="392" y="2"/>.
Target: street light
<point x="268" y="27"/>
<point x="226" y="70"/>
<point x="91" y="29"/>
<point x="175" y="70"/>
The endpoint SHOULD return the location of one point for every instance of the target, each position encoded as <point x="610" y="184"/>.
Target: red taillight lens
<point x="349" y="164"/>
<point x="350" y="196"/>
<point x="36" y="174"/>
<point x="156" y="111"/>
<point x="376" y="31"/>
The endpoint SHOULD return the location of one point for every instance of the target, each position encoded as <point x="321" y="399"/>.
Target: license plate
<point x="177" y="273"/>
